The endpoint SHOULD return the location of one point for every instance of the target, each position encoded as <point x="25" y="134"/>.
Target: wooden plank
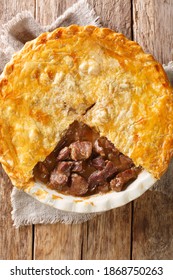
<point x="153" y="27"/>
<point x="58" y="242"/>
<point x="48" y="11"/>
<point x="153" y="215"/>
<point x="107" y="236"/>
<point x="115" y="14"/>
<point x="153" y="228"/>
<point x="10" y="8"/>
<point x="104" y="237"/>
<point x="14" y="243"/>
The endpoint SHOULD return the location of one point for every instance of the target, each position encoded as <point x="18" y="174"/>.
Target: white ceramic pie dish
<point x="95" y="203"/>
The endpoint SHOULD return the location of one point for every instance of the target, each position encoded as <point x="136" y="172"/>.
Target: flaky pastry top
<point x="89" y="74"/>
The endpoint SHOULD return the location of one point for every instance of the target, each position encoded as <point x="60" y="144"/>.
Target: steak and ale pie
<point x="83" y="110"/>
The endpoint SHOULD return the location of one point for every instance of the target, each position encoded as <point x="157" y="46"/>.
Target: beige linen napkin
<point x="22" y="28"/>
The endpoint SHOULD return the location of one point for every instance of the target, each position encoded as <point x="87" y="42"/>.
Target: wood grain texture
<point x="58" y="242"/>
<point x="48" y="10"/>
<point x="153" y="27"/>
<point x="14" y="243"/>
<point x="10" y="8"/>
<point x="96" y="239"/>
<point x="153" y="215"/>
<point x="153" y="227"/>
<point x="108" y="236"/>
<point x="115" y="14"/>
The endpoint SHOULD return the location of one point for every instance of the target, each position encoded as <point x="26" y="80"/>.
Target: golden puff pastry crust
<point x="89" y="74"/>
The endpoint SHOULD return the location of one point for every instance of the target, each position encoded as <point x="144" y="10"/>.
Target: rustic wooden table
<point x="142" y="229"/>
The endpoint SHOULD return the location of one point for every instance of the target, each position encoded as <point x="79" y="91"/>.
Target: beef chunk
<point x="104" y="147"/>
<point x="109" y="169"/>
<point x="103" y="188"/>
<point x="122" y="179"/>
<point x="98" y="148"/>
<point x="98" y="163"/>
<point x="77" y="166"/>
<point x="60" y="175"/>
<point x="126" y="162"/>
<point x="64" y="154"/>
<point x="79" y="185"/>
<point x="65" y="167"/>
<point x="96" y="179"/>
<point x="81" y="150"/>
<point x="58" y="179"/>
<point x="109" y="146"/>
<point x="99" y="177"/>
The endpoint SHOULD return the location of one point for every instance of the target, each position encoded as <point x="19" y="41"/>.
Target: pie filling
<point x="83" y="163"/>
